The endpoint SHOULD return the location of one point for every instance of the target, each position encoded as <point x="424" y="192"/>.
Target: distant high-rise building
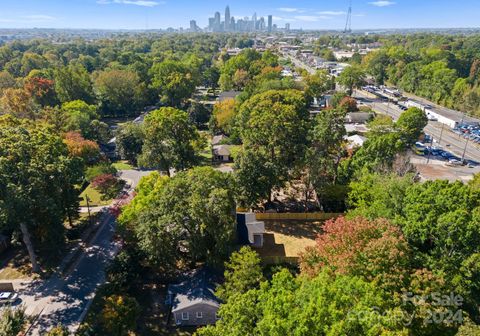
<point x="218" y="22"/>
<point x="193" y="26"/>
<point x="287" y="27"/>
<point x="227" y="19"/>
<point x="232" y="23"/>
<point x="211" y="24"/>
<point x="261" y="24"/>
<point x="254" y="22"/>
<point x="270" y="23"/>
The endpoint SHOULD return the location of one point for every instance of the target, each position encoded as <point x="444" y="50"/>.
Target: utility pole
<point x="88" y="208"/>
<point x="465" y="149"/>
<point x="441" y="133"/>
<point x="430" y="150"/>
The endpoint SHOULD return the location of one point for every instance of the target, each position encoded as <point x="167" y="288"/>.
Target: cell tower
<point x="348" y="24"/>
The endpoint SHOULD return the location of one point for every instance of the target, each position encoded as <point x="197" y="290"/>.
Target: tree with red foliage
<point x="77" y="146"/>
<point x="42" y="90"/>
<point x="108" y="185"/>
<point x="375" y="250"/>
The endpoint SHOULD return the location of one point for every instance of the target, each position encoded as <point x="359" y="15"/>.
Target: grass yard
<point x="122" y="165"/>
<point x="94" y="197"/>
<point x="288" y="238"/>
<point x="12" y="273"/>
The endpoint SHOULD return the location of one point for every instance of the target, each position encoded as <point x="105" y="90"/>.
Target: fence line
<point x="297" y="216"/>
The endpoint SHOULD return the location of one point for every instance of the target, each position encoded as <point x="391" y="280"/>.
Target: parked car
<point x="454" y="162"/>
<point x="8" y="297"/>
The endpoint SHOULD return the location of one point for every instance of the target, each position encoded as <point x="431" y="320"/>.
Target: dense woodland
<point x="398" y="235"/>
<point x="442" y="68"/>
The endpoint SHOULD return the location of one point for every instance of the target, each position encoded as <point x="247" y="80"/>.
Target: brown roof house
<point x="193" y="302"/>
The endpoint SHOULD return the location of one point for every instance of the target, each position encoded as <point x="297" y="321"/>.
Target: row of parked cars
<point x="438" y="153"/>
<point x="470" y="131"/>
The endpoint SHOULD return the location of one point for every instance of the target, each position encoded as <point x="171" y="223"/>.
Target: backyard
<point x="285" y="240"/>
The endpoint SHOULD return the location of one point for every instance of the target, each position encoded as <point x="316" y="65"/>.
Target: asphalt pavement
<point x="65" y="299"/>
<point x="442" y="133"/>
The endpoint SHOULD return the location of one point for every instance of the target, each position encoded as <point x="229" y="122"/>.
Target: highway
<point x="449" y="140"/>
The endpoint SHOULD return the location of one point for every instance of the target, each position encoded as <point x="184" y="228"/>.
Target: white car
<point x="8" y="297"/>
<point x="454" y="162"/>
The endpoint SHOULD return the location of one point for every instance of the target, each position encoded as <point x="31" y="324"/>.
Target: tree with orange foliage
<point x="224" y="115"/>
<point x="41" y="90"/>
<point x="349" y="104"/>
<point x="79" y="147"/>
<point x="375" y="250"/>
<point x="18" y="103"/>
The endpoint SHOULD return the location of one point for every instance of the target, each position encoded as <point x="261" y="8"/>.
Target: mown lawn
<point x="122" y="165"/>
<point x="94" y="197"/>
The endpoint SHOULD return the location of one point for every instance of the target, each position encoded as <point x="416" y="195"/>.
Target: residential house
<point x="222" y="153"/>
<point x="193" y="302"/>
<point x="355" y="141"/>
<point x="217" y="139"/>
<point x="228" y="95"/>
<point x="249" y="230"/>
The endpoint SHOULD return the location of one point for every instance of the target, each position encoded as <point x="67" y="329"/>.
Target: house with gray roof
<point x="222" y="153"/>
<point x="192" y="301"/>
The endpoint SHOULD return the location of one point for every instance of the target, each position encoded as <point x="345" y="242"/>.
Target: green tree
<point x="325" y="152"/>
<point x="190" y="218"/>
<point x="173" y="81"/>
<point x="351" y="78"/>
<point x="73" y="83"/>
<point x="378" y="153"/>
<point x="37" y="185"/>
<point x="119" y="315"/>
<point x="170" y="140"/>
<point x="376" y="64"/>
<point x="78" y="116"/>
<point x="275" y="124"/>
<point x="411" y="124"/>
<point x="242" y="272"/>
<point x="120" y="92"/>
<point x="58" y="331"/>
<point x="147" y="190"/>
<point x="317" y="84"/>
<point x="12" y="321"/>
<point x="129" y="139"/>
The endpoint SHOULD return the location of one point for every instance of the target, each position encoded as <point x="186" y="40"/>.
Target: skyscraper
<point x="218" y="22"/>
<point x="287" y="27"/>
<point x="227" y="19"/>
<point x="254" y="22"/>
<point x="193" y="26"/>
<point x="270" y="23"/>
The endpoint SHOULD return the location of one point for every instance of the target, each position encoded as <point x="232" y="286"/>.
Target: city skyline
<point x="231" y="23"/>
<point x="306" y="14"/>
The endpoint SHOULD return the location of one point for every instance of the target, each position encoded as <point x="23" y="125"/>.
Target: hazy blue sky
<point x="309" y="14"/>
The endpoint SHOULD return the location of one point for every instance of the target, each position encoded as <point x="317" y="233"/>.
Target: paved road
<point x="449" y="140"/>
<point x="299" y="63"/>
<point x="446" y="112"/>
<point x="65" y="299"/>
